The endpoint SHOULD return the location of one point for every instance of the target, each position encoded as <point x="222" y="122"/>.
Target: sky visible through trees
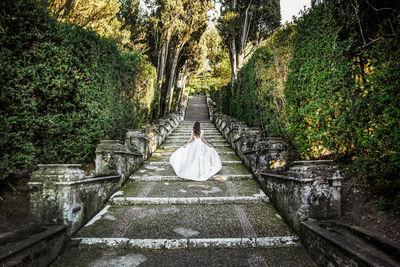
<point x="290" y="8"/>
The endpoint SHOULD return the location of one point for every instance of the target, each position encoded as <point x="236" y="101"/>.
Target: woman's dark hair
<point x="196" y="128"/>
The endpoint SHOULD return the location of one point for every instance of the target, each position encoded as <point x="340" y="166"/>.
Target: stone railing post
<point x="106" y="161"/>
<point x="136" y="142"/>
<point x="324" y="198"/>
<point x="61" y="193"/>
<point x="308" y="189"/>
<point x="51" y="191"/>
<point x="272" y="155"/>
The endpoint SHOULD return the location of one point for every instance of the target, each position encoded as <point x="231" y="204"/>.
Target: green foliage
<point x="63" y="89"/>
<point x="330" y="89"/>
<point x="245" y="105"/>
<point x="319" y="80"/>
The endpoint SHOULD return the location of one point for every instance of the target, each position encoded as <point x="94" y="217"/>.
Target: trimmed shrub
<point x="322" y="87"/>
<point x="63" y="89"/>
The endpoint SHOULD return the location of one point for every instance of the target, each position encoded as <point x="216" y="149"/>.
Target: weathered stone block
<point x="38" y="246"/>
<point x="272" y="155"/>
<point x="309" y="189"/>
<point x="106" y="159"/>
<point x="58" y="173"/>
<point x="55" y="199"/>
<point x="136" y="142"/>
<point x="332" y="243"/>
<point x="153" y="138"/>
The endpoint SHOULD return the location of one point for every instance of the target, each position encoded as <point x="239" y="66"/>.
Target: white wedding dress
<point x="196" y="161"/>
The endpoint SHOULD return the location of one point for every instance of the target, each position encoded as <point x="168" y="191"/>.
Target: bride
<point x="197" y="160"/>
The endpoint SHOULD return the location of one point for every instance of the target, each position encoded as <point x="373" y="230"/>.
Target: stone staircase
<point x="158" y="219"/>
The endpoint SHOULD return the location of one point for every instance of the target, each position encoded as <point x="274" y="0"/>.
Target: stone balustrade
<point x="62" y="193"/>
<point x="299" y="189"/>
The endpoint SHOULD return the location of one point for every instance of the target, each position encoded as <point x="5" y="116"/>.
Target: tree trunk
<point x="236" y="53"/>
<point x="170" y="88"/>
<point x="160" y="75"/>
<point x="162" y="61"/>
<point x="183" y="86"/>
<point x="233" y="60"/>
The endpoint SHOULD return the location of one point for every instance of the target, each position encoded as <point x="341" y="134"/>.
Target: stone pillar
<point x="106" y="160"/>
<point x="153" y="138"/>
<point x="113" y="158"/>
<point x="51" y="200"/>
<point x="211" y="107"/>
<point x="308" y="189"/>
<point x="61" y="193"/>
<point x="247" y="146"/>
<point x="323" y="196"/>
<point x="272" y="155"/>
<point x="136" y="142"/>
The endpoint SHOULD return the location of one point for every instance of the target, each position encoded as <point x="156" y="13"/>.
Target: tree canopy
<point x="243" y="22"/>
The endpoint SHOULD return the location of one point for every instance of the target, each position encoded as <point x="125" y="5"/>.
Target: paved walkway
<point x="158" y="219"/>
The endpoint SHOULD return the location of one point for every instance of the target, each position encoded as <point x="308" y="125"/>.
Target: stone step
<point x="166" y="170"/>
<point x="224" y="162"/>
<point x="192" y="122"/>
<point x="176" y="178"/>
<point x="202" y="125"/>
<point x="186" y="134"/>
<point x="183" y="141"/>
<point x="161" y="154"/>
<point x="185" y="138"/>
<point x="191" y="243"/>
<point x="87" y="255"/>
<point x="219" y="150"/>
<point x="165" y="156"/>
<point x="190" y="189"/>
<point x="189" y="130"/>
<point x="199" y="221"/>
<point x="187" y="200"/>
<point x="169" y="145"/>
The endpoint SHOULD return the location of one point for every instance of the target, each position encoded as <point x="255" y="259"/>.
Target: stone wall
<point x="332" y="243"/>
<point x="32" y="246"/>
<point x="299" y="189"/>
<point x="62" y="193"/>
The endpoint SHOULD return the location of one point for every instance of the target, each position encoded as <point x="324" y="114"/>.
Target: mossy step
<point x="188" y="200"/>
<point x="184" y="138"/>
<point x="224" y="156"/>
<point x="106" y="256"/>
<point x="204" y="221"/>
<point x="167" y="170"/>
<point x="221" y="153"/>
<point x="179" y="189"/>
<point x="187" y="135"/>
<point x="202" y="124"/>
<point x="181" y="142"/>
<point x="168" y="145"/>
<point x="217" y="177"/>
<point x="165" y="162"/>
<point x="190" y="128"/>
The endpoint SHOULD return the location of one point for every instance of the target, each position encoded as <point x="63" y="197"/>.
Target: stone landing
<point x="158" y="219"/>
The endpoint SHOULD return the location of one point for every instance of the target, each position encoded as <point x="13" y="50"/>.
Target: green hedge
<point x="63" y="89"/>
<point x="331" y="96"/>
